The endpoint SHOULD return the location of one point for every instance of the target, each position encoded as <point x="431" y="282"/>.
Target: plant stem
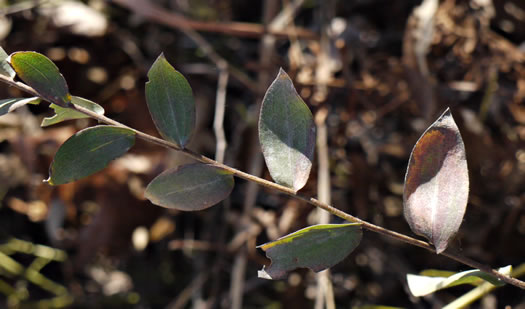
<point x="271" y="185"/>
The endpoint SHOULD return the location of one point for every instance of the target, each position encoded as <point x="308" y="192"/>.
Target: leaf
<point x="42" y="74"/>
<point x="9" y="105"/>
<point x="89" y="151"/>
<point x="436" y="183"/>
<point x="190" y="187"/>
<point x="170" y="102"/>
<point x="286" y="134"/>
<point x="5" y="68"/>
<point x="436" y="273"/>
<point x="63" y="114"/>
<point x="316" y="247"/>
<point x="424" y="285"/>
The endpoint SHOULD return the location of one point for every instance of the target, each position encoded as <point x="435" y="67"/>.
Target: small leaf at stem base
<point x="63" y="114"/>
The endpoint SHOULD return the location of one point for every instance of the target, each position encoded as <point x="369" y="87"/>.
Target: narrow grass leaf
<point x="424" y="285"/>
<point x="63" y="114"/>
<point x="286" y="134"/>
<point x="5" y="68"/>
<point x="89" y="151"/>
<point x="42" y="74"/>
<point x="9" y="105"/>
<point x="170" y="102"/>
<point x="190" y="187"/>
<point x="316" y="247"/>
<point x="436" y="183"/>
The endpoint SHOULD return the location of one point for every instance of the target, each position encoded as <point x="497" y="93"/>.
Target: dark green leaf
<point x="63" y="114"/>
<point x="436" y="183"/>
<point x="89" y="151"/>
<point x="316" y="247"/>
<point x="42" y="74"/>
<point x="424" y="285"/>
<point x="190" y="187"/>
<point x="5" y="68"/>
<point x="286" y="134"/>
<point x="9" y="105"/>
<point x="170" y="102"/>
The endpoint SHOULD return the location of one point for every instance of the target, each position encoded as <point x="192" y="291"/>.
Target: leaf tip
<point x="446" y="113"/>
<point x="263" y="274"/>
<point x="161" y="57"/>
<point x="155" y="64"/>
<point x="282" y="74"/>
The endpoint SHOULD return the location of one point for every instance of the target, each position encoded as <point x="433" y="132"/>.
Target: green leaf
<point x="436" y="183"/>
<point x="436" y="273"/>
<point x="424" y="285"/>
<point x="5" y="68"/>
<point x="42" y="74"/>
<point x="190" y="187"/>
<point x="63" y="114"/>
<point x="316" y="247"/>
<point x="9" y="105"/>
<point x="170" y="102"/>
<point x="286" y="134"/>
<point x="89" y="151"/>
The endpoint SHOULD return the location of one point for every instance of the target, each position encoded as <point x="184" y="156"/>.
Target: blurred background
<point x="376" y="73"/>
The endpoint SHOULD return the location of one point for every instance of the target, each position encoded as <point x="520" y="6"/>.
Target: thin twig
<point x="325" y="291"/>
<point x="274" y="186"/>
<point x="219" y="60"/>
<point x="218" y="121"/>
<point x="323" y="74"/>
<point x="185" y="295"/>
<point x="189" y="28"/>
<point x="178" y="21"/>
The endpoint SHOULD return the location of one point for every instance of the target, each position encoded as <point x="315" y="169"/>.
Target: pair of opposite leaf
<point x="436" y="183"/>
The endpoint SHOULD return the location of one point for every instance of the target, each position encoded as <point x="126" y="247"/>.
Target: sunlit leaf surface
<point x="63" y="114"/>
<point x="424" y="285"/>
<point x="286" y="134"/>
<point x="9" y="105"/>
<point x="436" y="183"/>
<point x="42" y="74"/>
